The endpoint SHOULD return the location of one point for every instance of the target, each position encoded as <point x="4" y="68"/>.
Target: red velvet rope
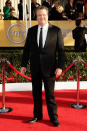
<point x="30" y="79"/>
<point x="84" y="63"/>
<point x="66" y="70"/>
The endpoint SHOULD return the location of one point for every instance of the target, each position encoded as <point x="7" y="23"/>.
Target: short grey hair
<point x="42" y="8"/>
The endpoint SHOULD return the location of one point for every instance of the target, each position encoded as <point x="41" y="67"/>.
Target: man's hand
<point x="58" y="72"/>
<point x="23" y="70"/>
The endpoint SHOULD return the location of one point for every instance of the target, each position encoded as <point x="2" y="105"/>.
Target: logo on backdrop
<point x="16" y="33"/>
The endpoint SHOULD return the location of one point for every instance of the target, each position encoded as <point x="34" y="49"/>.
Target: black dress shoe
<point x="33" y="120"/>
<point x="56" y="123"/>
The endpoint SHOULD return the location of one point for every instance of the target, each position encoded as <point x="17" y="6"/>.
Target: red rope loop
<point x="30" y="79"/>
<point x="84" y="62"/>
<point x="66" y="69"/>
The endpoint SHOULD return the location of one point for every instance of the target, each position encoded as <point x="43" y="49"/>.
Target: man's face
<point x="42" y="17"/>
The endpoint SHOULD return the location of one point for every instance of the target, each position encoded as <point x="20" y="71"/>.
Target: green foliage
<point x="70" y="57"/>
<point x="15" y="56"/>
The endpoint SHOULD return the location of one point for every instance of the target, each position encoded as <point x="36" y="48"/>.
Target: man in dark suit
<point x="34" y="6"/>
<point x="79" y="36"/>
<point x="44" y="66"/>
<point x="20" y="9"/>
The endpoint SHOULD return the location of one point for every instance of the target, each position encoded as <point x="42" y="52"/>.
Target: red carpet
<point x="22" y="104"/>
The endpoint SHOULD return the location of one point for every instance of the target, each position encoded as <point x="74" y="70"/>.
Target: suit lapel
<point x="47" y="38"/>
<point x="48" y="35"/>
<point x="35" y="35"/>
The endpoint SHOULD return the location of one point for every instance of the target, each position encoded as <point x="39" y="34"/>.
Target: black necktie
<point x="40" y="39"/>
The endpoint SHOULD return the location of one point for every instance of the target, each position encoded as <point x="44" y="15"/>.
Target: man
<point x="43" y="63"/>
<point x="20" y="9"/>
<point x="34" y="6"/>
<point x="79" y="36"/>
<point x="80" y="4"/>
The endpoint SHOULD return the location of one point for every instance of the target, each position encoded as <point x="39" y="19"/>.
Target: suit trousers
<point x="49" y="95"/>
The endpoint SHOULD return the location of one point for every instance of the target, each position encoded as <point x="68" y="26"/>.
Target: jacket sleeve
<point x="26" y="51"/>
<point x="60" y="49"/>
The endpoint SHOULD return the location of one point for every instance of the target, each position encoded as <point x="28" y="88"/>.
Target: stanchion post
<point x="78" y="105"/>
<point x="3" y="85"/>
<point x="3" y="109"/>
<point x="78" y="82"/>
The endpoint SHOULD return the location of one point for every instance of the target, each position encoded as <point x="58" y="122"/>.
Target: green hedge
<point x="70" y="57"/>
<point x="15" y="56"/>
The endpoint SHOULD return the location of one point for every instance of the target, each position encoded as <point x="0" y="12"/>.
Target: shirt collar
<point x="44" y="27"/>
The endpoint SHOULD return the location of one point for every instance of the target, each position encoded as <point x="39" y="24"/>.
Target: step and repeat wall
<point x="13" y="33"/>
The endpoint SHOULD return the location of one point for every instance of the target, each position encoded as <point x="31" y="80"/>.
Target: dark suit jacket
<point x="33" y="10"/>
<point x="79" y="36"/>
<point x="46" y="60"/>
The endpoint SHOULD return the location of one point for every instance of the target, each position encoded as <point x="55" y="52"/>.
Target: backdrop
<point x="13" y="33"/>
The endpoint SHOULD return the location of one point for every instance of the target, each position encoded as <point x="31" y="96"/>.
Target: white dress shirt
<point x="44" y="33"/>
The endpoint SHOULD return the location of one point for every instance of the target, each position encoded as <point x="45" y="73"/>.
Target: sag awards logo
<point x="16" y="33"/>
